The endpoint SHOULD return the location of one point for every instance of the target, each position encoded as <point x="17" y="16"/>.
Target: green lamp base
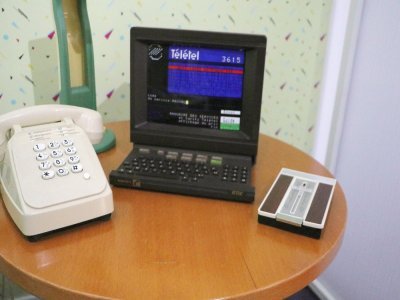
<point x="106" y="143"/>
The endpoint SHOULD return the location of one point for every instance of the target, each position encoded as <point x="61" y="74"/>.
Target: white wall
<point x="368" y="163"/>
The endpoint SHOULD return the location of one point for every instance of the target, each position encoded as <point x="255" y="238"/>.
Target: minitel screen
<point x="195" y="86"/>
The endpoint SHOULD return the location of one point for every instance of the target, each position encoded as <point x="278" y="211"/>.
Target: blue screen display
<point x="205" y="72"/>
<point x="195" y="85"/>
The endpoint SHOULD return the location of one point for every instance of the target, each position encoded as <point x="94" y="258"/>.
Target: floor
<point x="304" y="294"/>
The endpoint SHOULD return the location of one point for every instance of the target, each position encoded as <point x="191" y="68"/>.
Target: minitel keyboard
<point x="179" y="171"/>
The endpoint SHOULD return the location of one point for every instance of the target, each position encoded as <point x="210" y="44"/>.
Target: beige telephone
<point x="50" y="175"/>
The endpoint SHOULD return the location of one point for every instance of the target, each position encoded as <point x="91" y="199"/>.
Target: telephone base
<point x="66" y="215"/>
<point x="41" y="236"/>
<point x="50" y="175"/>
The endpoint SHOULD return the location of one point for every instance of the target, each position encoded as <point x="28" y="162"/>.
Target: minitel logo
<point x="184" y="54"/>
<point x="155" y="52"/>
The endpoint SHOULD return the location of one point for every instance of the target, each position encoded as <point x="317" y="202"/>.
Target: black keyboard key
<point x="187" y="172"/>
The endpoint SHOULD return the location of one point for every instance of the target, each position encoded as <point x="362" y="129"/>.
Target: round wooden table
<point x="166" y="246"/>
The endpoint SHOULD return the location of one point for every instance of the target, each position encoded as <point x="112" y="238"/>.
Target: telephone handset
<point x="50" y="175"/>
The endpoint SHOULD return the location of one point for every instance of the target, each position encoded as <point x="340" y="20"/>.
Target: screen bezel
<point x="243" y="141"/>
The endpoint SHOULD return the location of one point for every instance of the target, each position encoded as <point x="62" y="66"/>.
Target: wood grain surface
<point x="166" y="246"/>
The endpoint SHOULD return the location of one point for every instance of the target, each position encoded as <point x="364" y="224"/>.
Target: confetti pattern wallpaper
<point x="296" y="33"/>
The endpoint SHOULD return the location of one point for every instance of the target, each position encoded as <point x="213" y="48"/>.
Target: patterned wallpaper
<point x="296" y="32"/>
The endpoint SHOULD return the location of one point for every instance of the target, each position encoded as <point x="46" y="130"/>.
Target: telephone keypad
<point x="42" y="156"/>
<point x="53" y="145"/>
<point x="67" y="142"/>
<point x="76" y="168"/>
<point x="45" y="165"/>
<point x="48" y="174"/>
<point x="64" y="159"/>
<point x="56" y="153"/>
<point x="39" y="147"/>
<point x="74" y="159"/>
<point x="70" y="150"/>
<point x="59" y="162"/>
<point x="62" y="171"/>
